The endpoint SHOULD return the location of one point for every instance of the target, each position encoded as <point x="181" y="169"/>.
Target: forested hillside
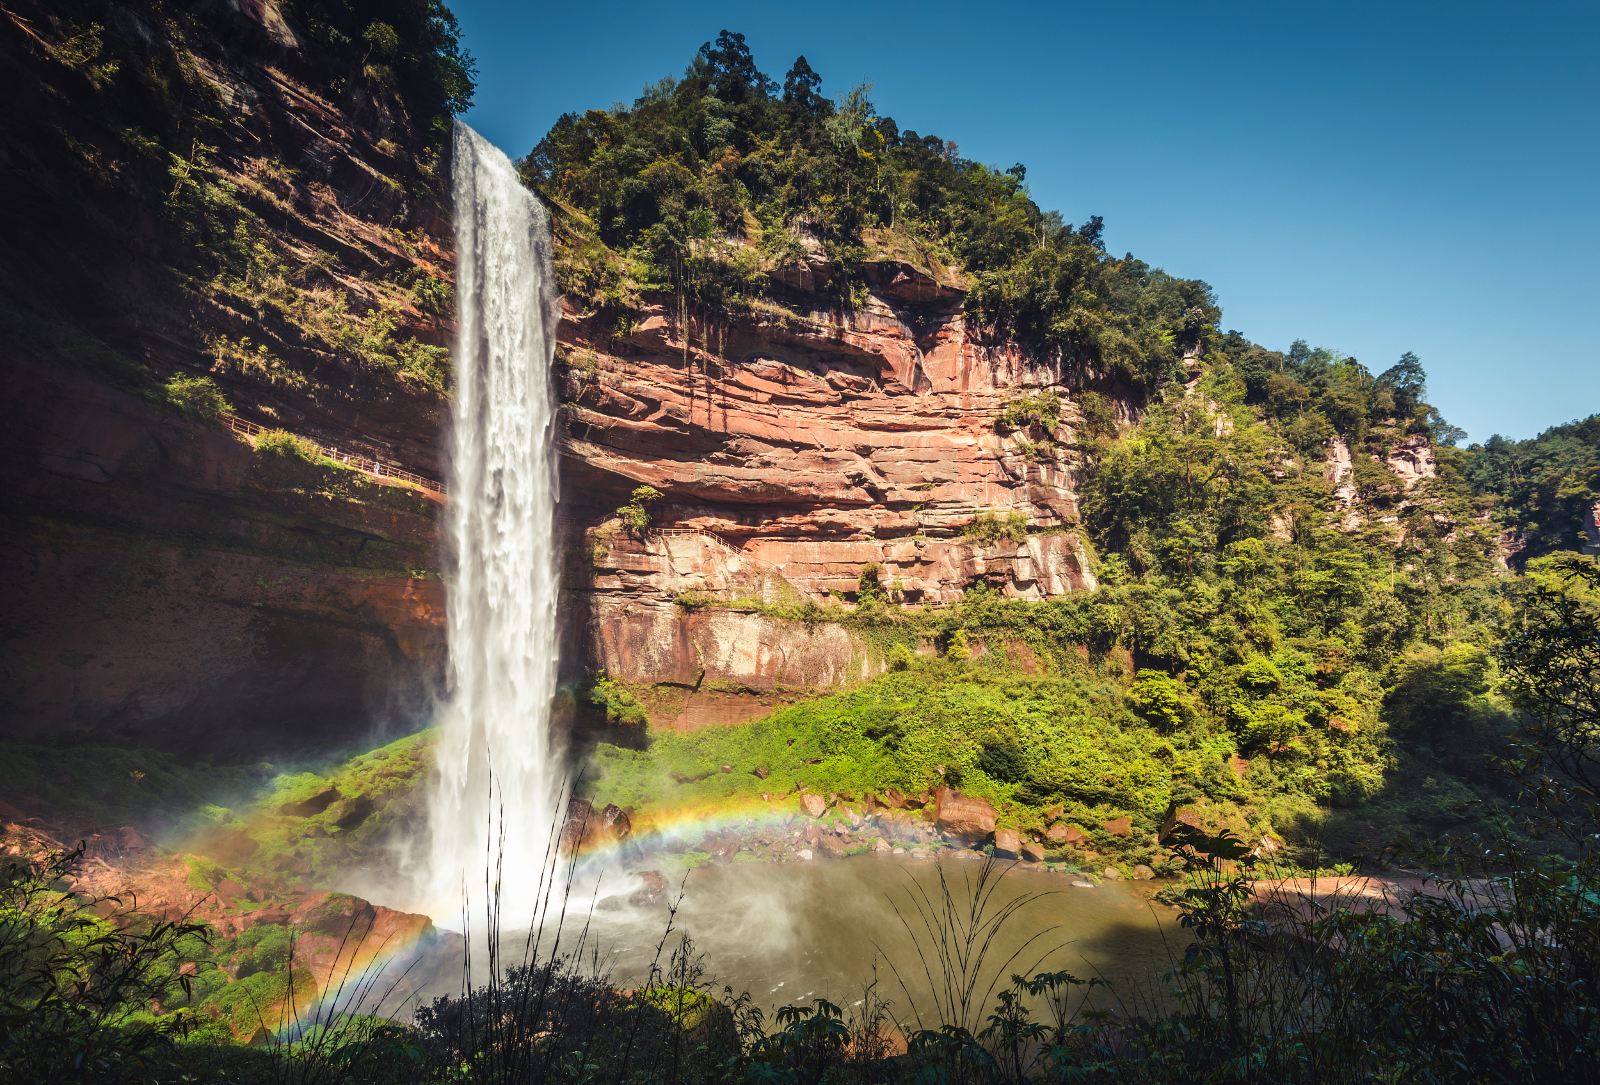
<point x="1300" y="574"/>
<point x="1548" y="487"/>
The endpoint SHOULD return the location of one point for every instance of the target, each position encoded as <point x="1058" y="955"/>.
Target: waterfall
<point x="499" y="764"/>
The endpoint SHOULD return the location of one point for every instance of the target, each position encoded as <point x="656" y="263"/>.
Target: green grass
<point x="1037" y="747"/>
<point x="88" y="786"/>
<point x="313" y="822"/>
<point x="302" y="823"/>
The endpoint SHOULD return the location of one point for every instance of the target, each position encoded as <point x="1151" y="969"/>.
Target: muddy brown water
<point x="792" y="932"/>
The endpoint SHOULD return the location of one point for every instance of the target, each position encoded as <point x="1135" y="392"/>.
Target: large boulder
<point x="1007" y="844"/>
<point x="1189" y="817"/>
<point x="588" y="829"/>
<point x="963" y="817"/>
<point x="1033" y="853"/>
<point x="1063" y="833"/>
<point x="1122" y="826"/>
<point x="652" y="888"/>
<point x="813" y="805"/>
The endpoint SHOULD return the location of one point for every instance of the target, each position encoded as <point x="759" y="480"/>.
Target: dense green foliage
<point x="1476" y="978"/>
<point x="709" y="182"/>
<point x="411" y="46"/>
<point x="1265" y="652"/>
<point x="616" y="704"/>
<point x="77" y="978"/>
<point x="198" y="396"/>
<point x="1027" y="744"/>
<point x="1284" y="659"/>
<point x="135" y="155"/>
<point x="1328" y="635"/>
<point x="1546" y="484"/>
<point x="635" y="515"/>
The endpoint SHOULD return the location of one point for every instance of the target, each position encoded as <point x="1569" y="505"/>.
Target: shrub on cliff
<point x="616" y="703"/>
<point x="635" y="515"/>
<point x="285" y="445"/>
<point x="994" y="526"/>
<point x="197" y="396"/>
<point x="410" y="46"/>
<point x="1039" y="410"/>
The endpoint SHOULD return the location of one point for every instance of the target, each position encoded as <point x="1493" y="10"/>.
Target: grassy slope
<point x="257" y="823"/>
<point x="1039" y="748"/>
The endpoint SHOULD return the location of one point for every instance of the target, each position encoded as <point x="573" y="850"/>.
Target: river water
<point x="792" y="932"/>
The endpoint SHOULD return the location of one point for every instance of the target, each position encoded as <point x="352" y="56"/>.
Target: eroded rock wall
<point x="793" y="452"/>
<point x="167" y="585"/>
<point x="164" y="589"/>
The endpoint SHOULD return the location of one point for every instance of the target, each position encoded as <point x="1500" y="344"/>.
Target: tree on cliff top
<point x="701" y="179"/>
<point x="416" y="44"/>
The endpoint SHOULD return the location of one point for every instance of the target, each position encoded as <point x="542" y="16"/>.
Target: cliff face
<point x="186" y="194"/>
<point x="794" y="452"/>
<point x="170" y="586"/>
<point x="210" y="194"/>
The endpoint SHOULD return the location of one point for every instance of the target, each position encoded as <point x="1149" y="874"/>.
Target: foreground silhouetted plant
<point x="82" y="977"/>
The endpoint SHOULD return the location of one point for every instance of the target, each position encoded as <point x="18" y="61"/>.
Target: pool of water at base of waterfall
<point x="791" y="932"/>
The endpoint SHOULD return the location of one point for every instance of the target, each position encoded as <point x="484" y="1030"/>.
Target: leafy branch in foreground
<point x="79" y="975"/>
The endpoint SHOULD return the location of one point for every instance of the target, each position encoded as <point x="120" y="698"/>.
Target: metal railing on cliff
<point x="364" y="464"/>
<point x="678" y="531"/>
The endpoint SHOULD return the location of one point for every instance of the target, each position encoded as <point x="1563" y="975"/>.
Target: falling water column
<point x="499" y="772"/>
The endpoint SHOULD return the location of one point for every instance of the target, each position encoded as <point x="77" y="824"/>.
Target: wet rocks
<point x="587" y="828"/>
<point x="652" y="889"/>
<point x="1007" y="844"/>
<point x="832" y="847"/>
<point x="722" y="846"/>
<point x="905" y="828"/>
<point x="963" y="817"/>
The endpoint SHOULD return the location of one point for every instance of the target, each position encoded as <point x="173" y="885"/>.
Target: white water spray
<point x="499" y="764"/>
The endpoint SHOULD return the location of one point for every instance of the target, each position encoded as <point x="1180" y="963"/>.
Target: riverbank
<point x="806" y="826"/>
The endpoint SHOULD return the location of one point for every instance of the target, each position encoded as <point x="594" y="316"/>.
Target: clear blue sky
<point x="1370" y="177"/>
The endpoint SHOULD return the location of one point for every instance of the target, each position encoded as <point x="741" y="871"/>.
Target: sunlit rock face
<point x="793" y="453"/>
<point x="820" y="444"/>
<point x="1412" y="460"/>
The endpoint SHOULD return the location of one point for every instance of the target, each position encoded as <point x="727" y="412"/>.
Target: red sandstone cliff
<point x="186" y="191"/>
<point x="793" y="452"/>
